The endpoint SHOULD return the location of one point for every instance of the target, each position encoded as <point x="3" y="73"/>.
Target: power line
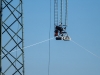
<point x="49" y="41"/>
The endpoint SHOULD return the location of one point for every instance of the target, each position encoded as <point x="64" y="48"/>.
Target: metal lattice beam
<point x="11" y="37"/>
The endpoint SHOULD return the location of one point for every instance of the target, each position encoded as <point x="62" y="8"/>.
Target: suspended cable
<point x="85" y="49"/>
<point x="49" y="41"/>
<point x="52" y="39"/>
<point x="31" y="45"/>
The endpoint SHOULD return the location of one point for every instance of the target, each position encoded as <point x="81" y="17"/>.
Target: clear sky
<point x="66" y="57"/>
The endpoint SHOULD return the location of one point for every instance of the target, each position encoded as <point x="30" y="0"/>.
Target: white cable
<point x="85" y="49"/>
<point x="31" y="45"/>
<point x="53" y="38"/>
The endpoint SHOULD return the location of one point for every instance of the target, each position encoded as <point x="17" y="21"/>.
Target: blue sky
<point x="67" y="58"/>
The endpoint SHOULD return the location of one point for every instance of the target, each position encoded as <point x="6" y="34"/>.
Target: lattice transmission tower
<point x="11" y="38"/>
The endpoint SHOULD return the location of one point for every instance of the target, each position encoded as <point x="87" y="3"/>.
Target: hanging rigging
<point x="60" y="20"/>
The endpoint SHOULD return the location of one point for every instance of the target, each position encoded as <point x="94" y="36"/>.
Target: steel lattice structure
<point x="11" y="37"/>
